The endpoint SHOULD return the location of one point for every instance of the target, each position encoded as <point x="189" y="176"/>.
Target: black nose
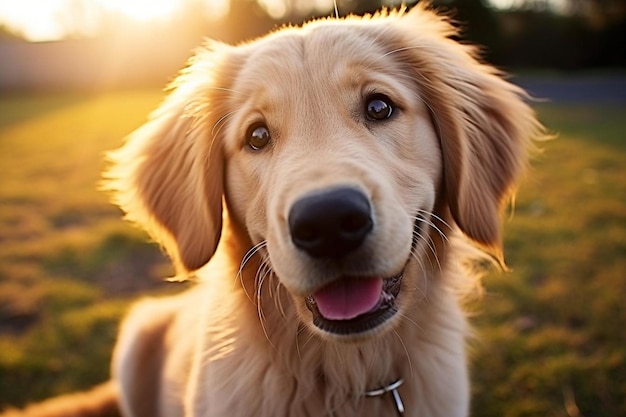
<point x="330" y="224"/>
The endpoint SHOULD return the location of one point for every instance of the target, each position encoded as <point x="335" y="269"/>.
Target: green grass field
<point x="551" y="338"/>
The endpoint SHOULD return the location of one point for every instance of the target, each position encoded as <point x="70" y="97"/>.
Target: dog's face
<point x="333" y="161"/>
<point x="344" y="150"/>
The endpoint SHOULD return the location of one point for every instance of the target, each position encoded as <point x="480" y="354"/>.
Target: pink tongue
<point x="348" y="298"/>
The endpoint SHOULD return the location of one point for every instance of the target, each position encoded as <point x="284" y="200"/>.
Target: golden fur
<point x="241" y="342"/>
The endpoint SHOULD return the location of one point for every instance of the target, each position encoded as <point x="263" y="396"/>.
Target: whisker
<point x="421" y="265"/>
<point x="426" y="239"/>
<point x="413" y="322"/>
<point x="417" y="236"/>
<point x="250" y="253"/>
<point x="432" y="224"/>
<point x="429" y="241"/>
<point x="406" y="351"/>
<point x="418" y="259"/>
<point x="263" y="272"/>
<point x="260" y="309"/>
<point x="395" y="51"/>
<point x="431" y="247"/>
<point x="431" y="214"/>
<point x="267" y="272"/>
<point x="302" y="329"/>
<point x="279" y="299"/>
<point x="221" y="122"/>
<point x="246" y="258"/>
<point x="309" y="338"/>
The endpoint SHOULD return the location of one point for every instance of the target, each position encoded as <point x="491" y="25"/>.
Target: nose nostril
<point x="304" y="232"/>
<point x="355" y="223"/>
<point x="330" y="224"/>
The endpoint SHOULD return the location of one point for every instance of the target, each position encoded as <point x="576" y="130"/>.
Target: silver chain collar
<point x="393" y="389"/>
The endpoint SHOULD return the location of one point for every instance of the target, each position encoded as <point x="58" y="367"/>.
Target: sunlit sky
<point x="45" y="20"/>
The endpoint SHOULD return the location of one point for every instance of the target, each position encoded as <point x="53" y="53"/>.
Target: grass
<point x="551" y="332"/>
<point x="68" y="265"/>
<point x="551" y="339"/>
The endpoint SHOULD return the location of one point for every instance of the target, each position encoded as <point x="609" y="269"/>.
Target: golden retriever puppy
<point x="326" y="184"/>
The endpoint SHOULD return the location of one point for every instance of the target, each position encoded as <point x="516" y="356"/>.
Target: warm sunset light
<point x="50" y="20"/>
<point x="47" y="20"/>
<point x="33" y="19"/>
<point x="142" y="10"/>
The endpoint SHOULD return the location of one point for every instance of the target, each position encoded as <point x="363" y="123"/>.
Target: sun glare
<point x="36" y="20"/>
<point x="49" y="20"/>
<point x="142" y="10"/>
<point x="275" y="8"/>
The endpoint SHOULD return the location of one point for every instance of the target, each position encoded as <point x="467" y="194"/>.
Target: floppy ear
<point x="485" y="126"/>
<point x="168" y="177"/>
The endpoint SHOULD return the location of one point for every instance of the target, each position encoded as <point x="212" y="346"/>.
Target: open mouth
<point x="355" y="305"/>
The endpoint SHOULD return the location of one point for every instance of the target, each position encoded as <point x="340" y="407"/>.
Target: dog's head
<point x="346" y="149"/>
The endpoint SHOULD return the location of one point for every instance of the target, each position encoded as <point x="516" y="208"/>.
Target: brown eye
<point x="258" y="136"/>
<point x="378" y="107"/>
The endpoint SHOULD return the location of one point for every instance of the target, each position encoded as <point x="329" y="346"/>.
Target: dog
<point x="328" y="187"/>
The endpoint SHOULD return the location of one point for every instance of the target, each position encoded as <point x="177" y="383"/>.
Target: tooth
<point x="388" y="298"/>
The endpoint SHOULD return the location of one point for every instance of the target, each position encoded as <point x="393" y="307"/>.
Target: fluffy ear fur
<point x="168" y="177"/>
<point x="484" y="124"/>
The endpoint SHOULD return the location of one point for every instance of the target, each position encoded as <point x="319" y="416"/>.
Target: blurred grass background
<point x="551" y="333"/>
<point x="68" y="264"/>
<point x="551" y="338"/>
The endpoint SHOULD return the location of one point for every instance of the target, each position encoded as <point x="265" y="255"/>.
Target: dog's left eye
<point x="378" y="107"/>
<point x="258" y="136"/>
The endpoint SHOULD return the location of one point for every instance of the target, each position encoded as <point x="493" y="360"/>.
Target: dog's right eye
<point x="378" y="107"/>
<point x="258" y="136"/>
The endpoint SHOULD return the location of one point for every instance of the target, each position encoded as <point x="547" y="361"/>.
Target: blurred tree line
<point x="530" y="34"/>
<point x="564" y="35"/>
